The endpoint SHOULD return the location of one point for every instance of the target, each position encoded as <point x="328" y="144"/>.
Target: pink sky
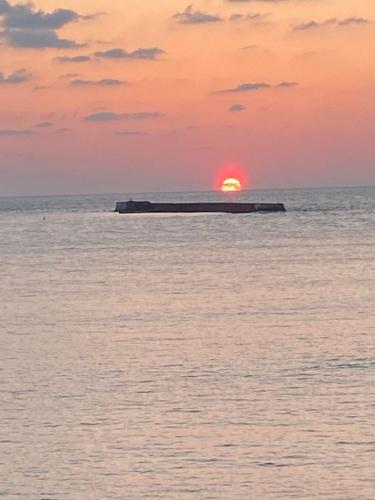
<point x="110" y="96"/>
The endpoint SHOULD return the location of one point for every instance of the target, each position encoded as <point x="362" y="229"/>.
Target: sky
<point x="167" y="95"/>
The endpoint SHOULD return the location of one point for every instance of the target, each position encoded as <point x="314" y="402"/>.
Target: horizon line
<point x="353" y="186"/>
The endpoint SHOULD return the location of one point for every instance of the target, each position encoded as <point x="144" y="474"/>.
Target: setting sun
<point x="231" y="184"/>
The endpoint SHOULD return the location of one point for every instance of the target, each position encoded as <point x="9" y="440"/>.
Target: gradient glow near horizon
<point x="161" y="95"/>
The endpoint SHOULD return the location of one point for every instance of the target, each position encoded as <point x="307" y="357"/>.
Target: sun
<point x="231" y="184"/>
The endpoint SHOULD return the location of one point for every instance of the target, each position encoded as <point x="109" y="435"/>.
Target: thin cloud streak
<point x="253" y="87"/>
<point x="129" y="133"/>
<point x="105" y="82"/>
<point x="73" y="59"/>
<point x="44" y="125"/>
<point x="149" y="54"/>
<point x="15" y="132"/>
<point x="107" y="116"/>
<point x="349" y="21"/>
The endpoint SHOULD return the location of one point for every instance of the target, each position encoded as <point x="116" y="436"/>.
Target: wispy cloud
<point x="44" y="125"/>
<point x="253" y="87"/>
<point x="252" y="16"/>
<point x="107" y="116"/>
<point x="15" y="132"/>
<point x="149" y="53"/>
<point x="129" y="133"/>
<point x="18" y="76"/>
<point x="191" y="16"/>
<point x="349" y="21"/>
<point x="250" y="47"/>
<point x="105" y="82"/>
<point x="74" y="59"/>
<point x="236" y="108"/>
<point x="70" y="75"/>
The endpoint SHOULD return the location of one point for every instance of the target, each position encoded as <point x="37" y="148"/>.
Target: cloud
<point x="71" y="75"/>
<point x="18" y="76"/>
<point x="191" y="16"/>
<point x="286" y="85"/>
<point x="104" y="116"/>
<point x="187" y="129"/>
<point x="236" y="108"/>
<point x="44" y="125"/>
<point x="349" y="21"/>
<point x="250" y="47"/>
<point x="74" y="59"/>
<point x="149" y="54"/>
<point x="107" y="116"/>
<point x="353" y="20"/>
<point x="307" y="26"/>
<point x="252" y="87"/>
<point x="37" y="39"/>
<point x="15" y="132"/>
<point x="145" y="115"/>
<point x="129" y="133"/>
<point x="24" y="26"/>
<point x="23" y="17"/>
<point x="255" y="16"/>
<point x="104" y="82"/>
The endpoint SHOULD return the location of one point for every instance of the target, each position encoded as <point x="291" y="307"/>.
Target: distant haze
<point x="108" y="96"/>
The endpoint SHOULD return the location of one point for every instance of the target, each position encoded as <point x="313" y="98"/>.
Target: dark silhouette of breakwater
<point x="127" y="207"/>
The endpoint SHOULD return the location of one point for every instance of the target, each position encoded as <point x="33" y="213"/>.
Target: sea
<point x="188" y="356"/>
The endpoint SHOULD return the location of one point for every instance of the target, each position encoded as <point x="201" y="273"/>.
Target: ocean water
<point x="201" y="356"/>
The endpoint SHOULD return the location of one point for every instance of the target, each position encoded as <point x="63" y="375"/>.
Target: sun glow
<point x="231" y="184"/>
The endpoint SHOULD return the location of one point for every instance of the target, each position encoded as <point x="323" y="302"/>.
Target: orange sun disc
<point x="231" y="184"/>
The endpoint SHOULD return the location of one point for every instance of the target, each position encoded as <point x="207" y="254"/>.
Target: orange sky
<point x="284" y="89"/>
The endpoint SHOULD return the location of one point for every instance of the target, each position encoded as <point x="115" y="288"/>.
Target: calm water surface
<point x="203" y="356"/>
